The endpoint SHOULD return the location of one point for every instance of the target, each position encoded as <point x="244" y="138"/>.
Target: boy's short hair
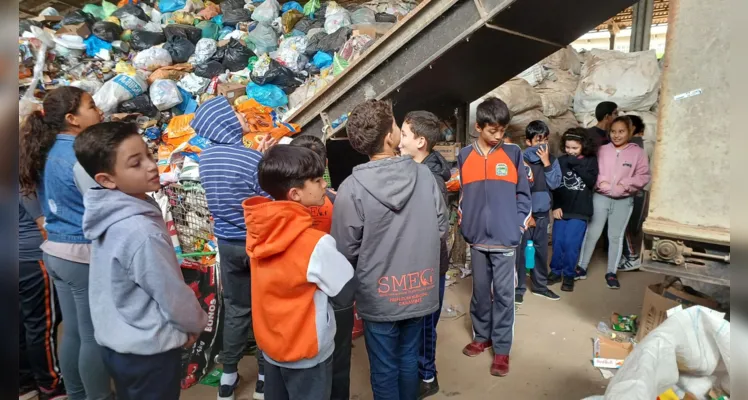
<point x="426" y="125"/>
<point x="493" y="111"/>
<point x="536" y="128"/>
<point x="284" y="167"/>
<point x="368" y="124"/>
<point x="312" y="143"/>
<point x="638" y="123"/>
<point x="96" y="147"/>
<point x="604" y="109"/>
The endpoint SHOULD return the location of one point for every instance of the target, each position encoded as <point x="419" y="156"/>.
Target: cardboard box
<point x="658" y="300"/>
<point x="609" y="353"/>
<point x="79" y="29"/>
<point x="47" y="18"/>
<point x="688" y="300"/>
<point x="231" y="91"/>
<point x="448" y="150"/>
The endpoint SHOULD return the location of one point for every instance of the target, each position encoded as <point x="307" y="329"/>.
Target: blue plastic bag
<point x="94" y="44"/>
<point x="188" y="105"/>
<point x="292" y="5"/>
<point x="225" y="31"/>
<point x="322" y="60"/>
<point x="218" y="19"/>
<point x="171" y="5"/>
<point x="267" y="95"/>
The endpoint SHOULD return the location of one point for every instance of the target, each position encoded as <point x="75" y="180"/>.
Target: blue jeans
<point x="427" y="356"/>
<point x="568" y="235"/>
<point x="393" y="358"/>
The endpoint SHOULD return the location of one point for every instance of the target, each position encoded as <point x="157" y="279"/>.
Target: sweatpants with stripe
<point x="39" y="316"/>
<point x="493" y="317"/>
<point x="616" y="212"/>
<point x="427" y="355"/>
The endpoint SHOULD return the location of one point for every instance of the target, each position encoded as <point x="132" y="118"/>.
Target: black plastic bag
<point x="218" y="55"/>
<point x="180" y="49"/>
<point x="320" y="13"/>
<point x="131" y="9"/>
<point x="307" y="24"/>
<point x="231" y="5"/>
<point x="209" y="70"/>
<point x="25" y="26"/>
<point x="106" y="31"/>
<point x="280" y="76"/>
<point x="237" y="56"/>
<point x="78" y="17"/>
<point x="140" y="104"/>
<point x="235" y="16"/>
<point x="186" y="31"/>
<point x="384" y="17"/>
<point x="327" y="43"/>
<point x="142" y="40"/>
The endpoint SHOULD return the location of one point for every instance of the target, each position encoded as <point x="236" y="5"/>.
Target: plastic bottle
<point x="530" y="255"/>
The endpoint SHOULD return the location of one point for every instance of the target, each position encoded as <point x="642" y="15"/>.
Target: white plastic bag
<point x="165" y="94"/>
<point x="89" y="86"/>
<point x="49" y="12"/>
<point x="264" y="39"/>
<point x="153" y="27"/>
<point x="152" y="59"/>
<point x="193" y="84"/>
<point x="193" y="6"/>
<point x="204" y="50"/>
<point x="118" y="89"/>
<point x="289" y="52"/>
<point x="129" y="21"/>
<point x="336" y="17"/>
<point x="267" y="11"/>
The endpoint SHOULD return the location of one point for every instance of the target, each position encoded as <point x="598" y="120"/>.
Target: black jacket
<point x="574" y="196"/>
<point x="440" y="168"/>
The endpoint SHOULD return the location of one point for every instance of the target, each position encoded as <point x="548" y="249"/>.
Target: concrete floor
<point x="550" y="356"/>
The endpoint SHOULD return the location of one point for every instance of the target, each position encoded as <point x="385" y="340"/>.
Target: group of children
<point x="294" y="254"/>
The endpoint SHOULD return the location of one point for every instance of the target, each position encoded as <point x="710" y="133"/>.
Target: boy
<point x="605" y="113"/>
<point x="295" y="270"/>
<point x="547" y="177"/>
<point x="322" y="220"/>
<point x="228" y="173"/>
<point x="142" y="311"/>
<point x="419" y="136"/>
<point x="389" y="219"/>
<point x="495" y="199"/>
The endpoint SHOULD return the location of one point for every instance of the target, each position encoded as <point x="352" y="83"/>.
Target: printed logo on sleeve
<point x="502" y="169"/>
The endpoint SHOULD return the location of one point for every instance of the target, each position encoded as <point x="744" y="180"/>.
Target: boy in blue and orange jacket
<point x="495" y="207"/>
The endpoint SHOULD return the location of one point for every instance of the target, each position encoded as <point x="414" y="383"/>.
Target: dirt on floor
<point x="551" y="355"/>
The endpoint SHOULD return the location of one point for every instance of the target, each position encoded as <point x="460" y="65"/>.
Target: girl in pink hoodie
<point x="624" y="170"/>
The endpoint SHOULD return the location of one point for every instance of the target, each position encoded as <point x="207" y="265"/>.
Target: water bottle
<point x="530" y="255"/>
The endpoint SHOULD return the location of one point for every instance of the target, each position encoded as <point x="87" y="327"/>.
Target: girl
<point x="573" y="204"/>
<point x="623" y="171"/>
<point x="46" y="167"/>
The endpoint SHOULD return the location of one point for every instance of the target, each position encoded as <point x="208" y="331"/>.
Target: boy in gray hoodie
<point x="388" y="220"/>
<point x="142" y="311"/>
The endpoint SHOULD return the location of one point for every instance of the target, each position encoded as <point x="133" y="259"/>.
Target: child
<point x="46" y="167"/>
<point x="419" y="136"/>
<point x="142" y="311"/>
<point x="295" y="270"/>
<point x="547" y="175"/>
<point x="322" y="220"/>
<point x="494" y="211"/>
<point x="228" y="173"/>
<point x="572" y="203"/>
<point x="623" y="171"/>
<point x="605" y="113"/>
<point x="388" y="221"/>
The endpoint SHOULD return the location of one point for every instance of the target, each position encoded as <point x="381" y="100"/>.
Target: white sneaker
<point x="629" y="265"/>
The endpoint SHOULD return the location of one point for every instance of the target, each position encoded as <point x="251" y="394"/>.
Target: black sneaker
<point x="568" y="284"/>
<point x="259" y="393"/>
<point x="226" y="392"/>
<point x="612" y="281"/>
<point x="519" y="299"/>
<point x="57" y="393"/>
<point x="548" y="294"/>
<point x="553" y="279"/>
<point x="428" y="389"/>
<point x="581" y="274"/>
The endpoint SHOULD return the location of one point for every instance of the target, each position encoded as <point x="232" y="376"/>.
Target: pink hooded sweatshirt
<point x="623" y="172"/>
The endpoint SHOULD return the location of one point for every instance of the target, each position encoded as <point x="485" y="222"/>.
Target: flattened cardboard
<point x="47" y="18"/>
<point x="689" y="300"/>
<point x="78" y="29"/>
<point x="609" y="353"/>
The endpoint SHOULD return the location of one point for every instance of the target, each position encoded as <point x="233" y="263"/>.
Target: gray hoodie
<point x="388" y="221"/>
<point x="138" y="299"/>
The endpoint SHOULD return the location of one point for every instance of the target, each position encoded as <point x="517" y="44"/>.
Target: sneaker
<point x="548" y="294"/>
<point x="500" y="365"/>
<point x="226" y="392"/>
<point x="27" y="392"/>
<point x="519" y="299"/>
<point x="629" y="265"/>
<point x="612" y="281"/>
<point x="475" y="348"/>
<point x="259" y="393"/>
<point x="581" y="274"/>
<point x="428" y="389"/>
<point x="553" y="279"/>
<point x="568" y="284"/>
<point x="57" y="393"/>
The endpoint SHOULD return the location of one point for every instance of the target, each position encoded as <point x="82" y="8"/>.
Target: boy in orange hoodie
<point x="296" y="273"/>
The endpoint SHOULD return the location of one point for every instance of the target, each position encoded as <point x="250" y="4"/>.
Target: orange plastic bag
<point x="258" y="117"/>
<point x="173" y="72"/>
<point x="123" y="3"/>
<point x="453" y="184"/>
<point x="211" y="10"/>
<point x="179" y="130"/>
<point x="164" y="152"/>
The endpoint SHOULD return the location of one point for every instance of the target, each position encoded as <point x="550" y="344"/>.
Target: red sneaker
<point x="500" y="365"/>
<point x="474" y="348"/>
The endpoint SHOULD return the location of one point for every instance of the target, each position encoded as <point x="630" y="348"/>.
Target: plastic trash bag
<point x="225" y="31"/>
<point x="94" y="47"/>
<point x="384" y="17"/>
<point x="210" y="29"/>
<point x="289" y="20"/>
<point x="78" y="17"/>
<point x="363" y="15"/>
<point x="268" y="71"/>
<point x="292" y="5"/>
<point x="131" y="9"/>
<point x="305" y="24"/>
<point x="211" y="10"/>
<point x="153" y="27"/>
<point x="165" y="94"/>
<point x="193" y="5"/>
<point x="339" y="64"/>
<point x="328" y="43"/>
<point x="267" y="95"/>
<point x="139" y="104"/>
<point x="132" y="22"/>
<point x="204" y="50"/>
<point x="356" y="45"/>
<point x="173" y="72"/>
<point x="152" y="59"/>
<point x="289" y="51"/>
<point x="231" y="5"/>
<point x="189" y="32"/>
<point x="336" y="17"/>
<point x="171" y="5"/>
<point x="311" y="7"/>
<point x="124" y="67"/>
<point x="106" y="31"/>
<point x="49" y="12"/>
<point x="267" y="11"/>
<point x="193" y="83"/>
<point x="89" y="86"/>
<point x="108" y="8"/>
<point x="236" y="56"/>
<point x="235" y="16"/>
<point x="209" y="70"/>
<point x="142" y="40"/>
<point x="262" y="39"/>
<point x="180" y="48"/>
<point x="322" y="60"/>
<point x="183" y="17"/>
<point x="94" y="10"/>
<point x="117" y="90"/>
<point x="25" y="26"/>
